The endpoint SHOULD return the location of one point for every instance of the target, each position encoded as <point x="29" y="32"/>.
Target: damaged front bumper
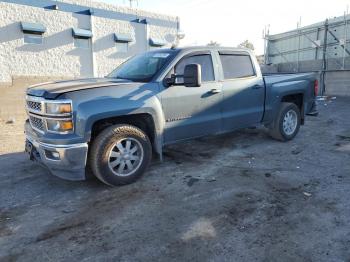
<point x="65" y="161"/>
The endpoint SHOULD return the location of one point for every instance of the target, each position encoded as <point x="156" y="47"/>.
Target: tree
<point x="213" y="43"/>
<point x="246" y="44"/>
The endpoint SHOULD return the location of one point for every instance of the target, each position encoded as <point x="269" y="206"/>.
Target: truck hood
<point x="52" y="90"/>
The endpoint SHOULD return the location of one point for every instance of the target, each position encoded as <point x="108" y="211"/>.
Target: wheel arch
<point x="144" y="121"/>
<point x="298" y="100"/>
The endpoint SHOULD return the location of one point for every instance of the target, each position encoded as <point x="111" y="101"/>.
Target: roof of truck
<point x="201" y="48"/>
<point x="193" y="48"/>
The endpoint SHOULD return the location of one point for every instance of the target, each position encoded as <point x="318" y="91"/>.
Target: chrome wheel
<point x="125" y="157"/>
<point x="290" y="122"/>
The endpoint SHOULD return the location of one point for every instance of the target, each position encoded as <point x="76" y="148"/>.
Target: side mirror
<point x="193" y="75"/>
<point x="169" y="81"/>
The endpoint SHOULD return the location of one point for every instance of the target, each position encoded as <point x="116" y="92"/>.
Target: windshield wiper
<point x="119" y="78"/>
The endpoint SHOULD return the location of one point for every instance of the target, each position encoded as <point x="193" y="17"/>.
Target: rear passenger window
<point x="205" y="62"/>
<point x="236" y="66"/>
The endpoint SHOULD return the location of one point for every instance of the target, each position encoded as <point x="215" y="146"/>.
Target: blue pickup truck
<point x="111" y="126"/>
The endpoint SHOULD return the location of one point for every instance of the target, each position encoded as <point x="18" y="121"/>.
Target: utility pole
<point x="131" y="2"/>
<point x="324" y="57"/>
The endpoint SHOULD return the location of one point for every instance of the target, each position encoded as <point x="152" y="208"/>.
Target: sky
<point x="230" y="22"/>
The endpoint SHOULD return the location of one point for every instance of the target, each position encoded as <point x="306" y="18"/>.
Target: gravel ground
<point x="234" y="197"/>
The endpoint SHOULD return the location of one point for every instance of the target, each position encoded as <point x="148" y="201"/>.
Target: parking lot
<point x="239" y="196"/>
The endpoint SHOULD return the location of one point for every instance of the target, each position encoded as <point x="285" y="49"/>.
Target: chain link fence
<point x="322" y="47"/>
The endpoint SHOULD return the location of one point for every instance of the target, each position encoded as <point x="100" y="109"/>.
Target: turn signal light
<point x="316" y="87"/>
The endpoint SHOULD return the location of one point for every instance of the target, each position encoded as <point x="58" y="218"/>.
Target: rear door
<point x="192" y="111"/>
<point x="243" y="88"/>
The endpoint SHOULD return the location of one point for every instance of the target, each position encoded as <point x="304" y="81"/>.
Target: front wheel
<point x="120" y="154"/>
<point x="287" y="122"/>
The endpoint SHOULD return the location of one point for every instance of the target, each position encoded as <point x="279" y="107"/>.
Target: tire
<point x="113" y="147"/>
<point x="282" y="132"/>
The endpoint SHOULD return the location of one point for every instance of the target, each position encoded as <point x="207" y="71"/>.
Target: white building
<point x="75" y="38"/>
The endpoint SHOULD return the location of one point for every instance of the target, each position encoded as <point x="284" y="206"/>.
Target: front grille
<point x="36" y="123"/>
<point x="36" y="106"/>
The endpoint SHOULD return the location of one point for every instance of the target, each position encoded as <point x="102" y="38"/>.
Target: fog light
<point x="52" y="155"/>
<point x="56" y="154"/>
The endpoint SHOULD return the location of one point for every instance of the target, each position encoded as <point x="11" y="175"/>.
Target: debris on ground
<point x="344" y="148"/>
<point x="307" y="194"/>
<point x="330" y="121"/>
<point x="211" y="179"/>
<point x="296" y="151"/>
<point x="191" y="181"/>
<point x="10" y="121"/>
<point x="326" y="98"/>
<point x="68" y="210"/>
<point x="267" y="174"/>
<point x="344" y="135"/>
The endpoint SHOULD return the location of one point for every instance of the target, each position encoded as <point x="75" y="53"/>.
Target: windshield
<point x="143" y="67"/>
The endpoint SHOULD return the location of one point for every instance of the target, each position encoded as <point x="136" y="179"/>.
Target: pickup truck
<point x="111" y="126"/>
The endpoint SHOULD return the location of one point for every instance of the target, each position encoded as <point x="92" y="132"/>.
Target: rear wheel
<point x="287" y="123"/>
<point x="120" y="154"/>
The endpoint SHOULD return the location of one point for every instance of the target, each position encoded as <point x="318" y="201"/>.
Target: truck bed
<point x="271" y="79"/>
<point x="300" y="86"/>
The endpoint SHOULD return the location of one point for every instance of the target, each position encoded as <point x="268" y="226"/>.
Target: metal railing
<point x="319" y="48"/>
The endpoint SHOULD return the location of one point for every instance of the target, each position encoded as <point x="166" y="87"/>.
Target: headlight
<point x="59" y="126"/>
<point x="58" y="108"/>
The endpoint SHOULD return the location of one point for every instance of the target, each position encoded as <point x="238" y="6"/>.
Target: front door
<point x="192" y="111"/>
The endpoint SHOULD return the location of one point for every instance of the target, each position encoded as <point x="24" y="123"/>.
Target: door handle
<point x="257" y="87"/>
<point x="215" y="91"/>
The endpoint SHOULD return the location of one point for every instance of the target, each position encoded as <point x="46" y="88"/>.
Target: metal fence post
<point x="298" y="53"/>
<point x="345" y="35"/>
<point x="324" y="58"/>
<point x="266" y="45"/>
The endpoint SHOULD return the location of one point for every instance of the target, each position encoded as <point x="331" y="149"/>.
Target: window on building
<point x="122" y="42"/>
<point x="33" y="38"/>
<point x="236" y="66"/>
<point x="206" y="64"/>
<point x="155" y="43"/>
<point x="82" y="37"/>
<point x="122" y="47"/>
<point x="82" y="42"/>
<point x="33" y="32"/>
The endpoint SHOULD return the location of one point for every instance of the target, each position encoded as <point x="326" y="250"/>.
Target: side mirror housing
<point x="193" y="75"/>
<point x="169" y="81"/>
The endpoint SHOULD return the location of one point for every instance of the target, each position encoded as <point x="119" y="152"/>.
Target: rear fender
<point x="277" y="93"/>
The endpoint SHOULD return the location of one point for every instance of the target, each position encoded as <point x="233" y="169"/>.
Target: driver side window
<point x="206" y="64"/>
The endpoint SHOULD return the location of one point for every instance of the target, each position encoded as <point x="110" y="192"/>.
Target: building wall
<point x="106" y="55"/>
<point x="337" y="83"/>
<point x="57" y="57"/>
